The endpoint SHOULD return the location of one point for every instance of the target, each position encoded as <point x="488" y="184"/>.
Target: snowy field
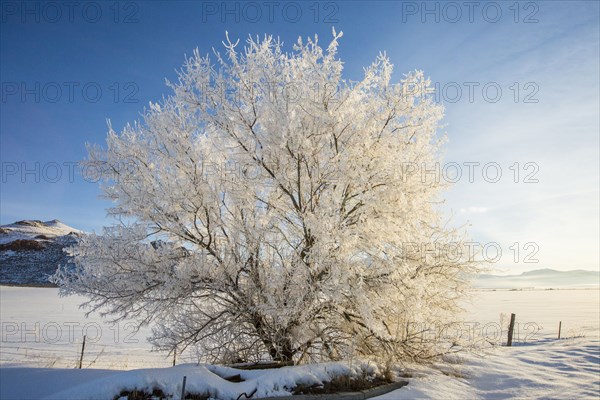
<point x="44" y="331"/>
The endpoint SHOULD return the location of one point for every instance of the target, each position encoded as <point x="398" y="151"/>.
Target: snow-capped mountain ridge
<point x="31" y="229"/>
<point x="31" y="250"/>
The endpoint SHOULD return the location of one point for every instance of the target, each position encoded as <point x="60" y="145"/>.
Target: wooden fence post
<point x="559" y="327"/>
<point x="511" y="328"/>
<point x="174" y="355"/>
<point x="82" y="350"/>
<point x="183" y="388"/>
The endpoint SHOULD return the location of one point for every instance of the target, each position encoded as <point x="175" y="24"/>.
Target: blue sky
<point x="520" y="82"/>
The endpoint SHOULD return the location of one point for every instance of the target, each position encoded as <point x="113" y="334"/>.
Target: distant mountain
<point x="31" y="250"/>
<point x="542" y="279"/>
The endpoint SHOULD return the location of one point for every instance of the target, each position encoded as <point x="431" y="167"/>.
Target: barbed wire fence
<point x="95" y="355"/>
<point x="123" y="356"/>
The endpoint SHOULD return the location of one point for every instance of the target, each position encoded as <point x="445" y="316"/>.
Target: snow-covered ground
<point x="547" y="369"/>
<point x="537" y="366"/>
<point x="40" y="329"/>
<point x="105" y="384"/>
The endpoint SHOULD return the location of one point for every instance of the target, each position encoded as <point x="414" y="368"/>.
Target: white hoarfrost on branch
<point x="268" y="212"/>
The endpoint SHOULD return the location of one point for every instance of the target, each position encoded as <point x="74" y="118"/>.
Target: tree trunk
<point x="282" y="352"/>
<point x="281" y="349"/>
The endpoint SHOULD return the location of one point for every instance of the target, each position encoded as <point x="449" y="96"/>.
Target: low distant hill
<point x="541" y="279"/>
<point x="31" y="250"/>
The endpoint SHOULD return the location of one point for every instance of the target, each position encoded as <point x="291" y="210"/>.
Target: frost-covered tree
<point x="265" y="208"/>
